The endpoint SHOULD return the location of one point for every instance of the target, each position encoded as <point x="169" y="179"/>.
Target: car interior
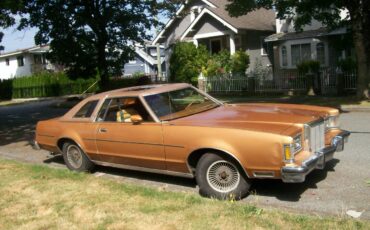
<point x="121" y="110"/>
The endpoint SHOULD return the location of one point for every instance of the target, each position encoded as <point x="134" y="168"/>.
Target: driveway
<point x="343" y="185"/>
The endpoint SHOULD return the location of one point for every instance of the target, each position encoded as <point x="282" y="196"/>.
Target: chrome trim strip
<point x="315" y="122"/>
<point x="264" y="174"/>
<point x="45" y="135"/>
<point x="143" y="169"/>
<point x="133" y="142"/>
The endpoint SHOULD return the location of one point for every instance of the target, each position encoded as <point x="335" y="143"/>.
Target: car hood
<point x="272" y="118"/>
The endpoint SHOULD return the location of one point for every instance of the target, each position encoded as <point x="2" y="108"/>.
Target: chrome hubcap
<point x="223" y="176"/>
<point x="74" y="156"/>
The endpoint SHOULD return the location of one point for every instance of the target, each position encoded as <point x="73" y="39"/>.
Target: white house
<point x="24" y="62"/>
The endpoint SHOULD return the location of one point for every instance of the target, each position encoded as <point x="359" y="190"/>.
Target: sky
<point x="14" y="39"/>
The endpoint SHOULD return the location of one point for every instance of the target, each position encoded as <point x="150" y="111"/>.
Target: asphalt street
<point x="343" y="185"/>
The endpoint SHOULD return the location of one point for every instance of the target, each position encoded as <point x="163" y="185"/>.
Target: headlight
<point x="291" y="149"/>
<point x="332" y="122"/>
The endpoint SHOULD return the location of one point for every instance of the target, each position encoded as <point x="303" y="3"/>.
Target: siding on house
<point x="209" y="25"/>
<point x="13" y="70"/>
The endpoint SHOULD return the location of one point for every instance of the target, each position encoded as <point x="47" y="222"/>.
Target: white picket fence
<point x="328" y="81"/>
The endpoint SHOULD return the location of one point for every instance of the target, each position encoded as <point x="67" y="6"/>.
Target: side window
<point x="121" y="110"/>
<point x="86" y="110"/>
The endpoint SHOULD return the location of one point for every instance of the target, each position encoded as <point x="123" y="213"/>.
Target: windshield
<point x="179" y="103"/>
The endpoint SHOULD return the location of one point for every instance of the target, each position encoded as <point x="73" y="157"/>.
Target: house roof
<point x="34" y="49"/>
<point x="172" y="20"/>
<point x="146" y="56"/>
<point x="261" y="19"/>
<point x="304" y="34"/>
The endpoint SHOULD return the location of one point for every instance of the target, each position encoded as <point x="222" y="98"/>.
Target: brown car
<point x="177" y="129"/>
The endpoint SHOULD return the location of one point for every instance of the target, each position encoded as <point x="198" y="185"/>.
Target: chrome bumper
<point x="291" y="174"/>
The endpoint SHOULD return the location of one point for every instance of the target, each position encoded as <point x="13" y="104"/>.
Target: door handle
<point x="103" y="130"/>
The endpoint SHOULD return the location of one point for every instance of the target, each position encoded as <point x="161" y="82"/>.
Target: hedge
<point x="58" y="84"/>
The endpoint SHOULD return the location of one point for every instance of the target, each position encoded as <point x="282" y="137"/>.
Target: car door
<point x="119" y="141"/>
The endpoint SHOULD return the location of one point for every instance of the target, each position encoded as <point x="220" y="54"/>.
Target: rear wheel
<point x="221" y="178"/>
<point x="75" y="158"/>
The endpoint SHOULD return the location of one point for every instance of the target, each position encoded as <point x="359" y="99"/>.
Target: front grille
<point x="316" y="136"/>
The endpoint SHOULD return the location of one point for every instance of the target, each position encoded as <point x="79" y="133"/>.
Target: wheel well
<point x="61" y="142"/>
<point x="195" y="156"/>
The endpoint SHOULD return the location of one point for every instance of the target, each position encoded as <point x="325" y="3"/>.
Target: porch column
<point x="232" y="43"/>
<point x="195" y="41"/>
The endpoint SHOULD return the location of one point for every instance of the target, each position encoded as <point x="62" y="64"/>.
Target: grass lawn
<point x="336" y="102"/>
<point x="39" y="197"/>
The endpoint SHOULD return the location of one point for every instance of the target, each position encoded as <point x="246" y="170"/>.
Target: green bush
<point x="347" y="65"/>
<point x="6" y="89"/>
<point x="239" y="62"/>
<point x="187" y="61"/>
<point x="224" y="63"/>
<point x="309" y="66"/>
<point x="58" y="84"/>
<point x="49" y="85"/>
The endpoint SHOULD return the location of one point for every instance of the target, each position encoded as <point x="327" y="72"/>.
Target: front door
<point x="120" y="141"/>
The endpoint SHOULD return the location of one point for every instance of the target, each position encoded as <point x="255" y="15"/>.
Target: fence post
<point x="340" y="83"/>
<point x="251" y="85"/>
<point x="202" y="83"/>
<point x="310" y="84"/>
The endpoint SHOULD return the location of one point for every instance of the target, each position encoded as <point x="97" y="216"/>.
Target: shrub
<point x="309" y="66"/>
<point x="239" y="62"/>
<point x="224" y="63"/>
<point x="347" y="65"/>
<point x="187" y="62"/>
<point x="6" y="89"/>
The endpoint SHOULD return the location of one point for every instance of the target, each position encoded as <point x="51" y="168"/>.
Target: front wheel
<point x="220" y="178"/>
<point x="75" y="158"/>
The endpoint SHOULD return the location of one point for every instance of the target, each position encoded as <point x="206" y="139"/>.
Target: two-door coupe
<point x="177" y="129"/>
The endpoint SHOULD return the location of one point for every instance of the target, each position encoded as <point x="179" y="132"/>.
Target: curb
<point x="355" y="108"/>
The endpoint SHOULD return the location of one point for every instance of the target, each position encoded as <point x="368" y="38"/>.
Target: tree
<point x="90" y="36"/>
<point x="8" y="9"/>
<point x="329" y="13"/>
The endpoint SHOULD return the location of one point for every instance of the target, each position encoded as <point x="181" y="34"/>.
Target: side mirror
<point x="136" y="119"/>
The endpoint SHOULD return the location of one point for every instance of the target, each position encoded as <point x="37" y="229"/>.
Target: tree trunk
<point x="103" y="67"/>
<point x="362" y="56"/>
<point x="363" y="74"/>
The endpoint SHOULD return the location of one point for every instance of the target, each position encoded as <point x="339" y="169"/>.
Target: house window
<point x="132" y="61"/>
<point x="300" y="52"/>
<point x="320" y="51"/>
<point x="7" y="62"/>
<point x="20" y="61"/>
<point x="284" y="56"/>
<point x="37" y="59"/>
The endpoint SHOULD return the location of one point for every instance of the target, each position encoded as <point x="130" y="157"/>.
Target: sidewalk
<point x="18" y="101"/>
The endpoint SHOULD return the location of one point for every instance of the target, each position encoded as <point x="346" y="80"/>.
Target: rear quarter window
<point x="86" y="110"/>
